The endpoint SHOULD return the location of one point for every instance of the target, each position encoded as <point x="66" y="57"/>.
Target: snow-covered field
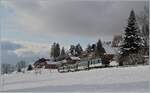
<point x="125" y="79"/>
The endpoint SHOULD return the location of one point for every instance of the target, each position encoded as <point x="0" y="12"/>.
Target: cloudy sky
<point x="29" y="27"/>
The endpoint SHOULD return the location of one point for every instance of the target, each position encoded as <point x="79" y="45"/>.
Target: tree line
<point x="19" y="67"/>
<point x="76" y="50"/>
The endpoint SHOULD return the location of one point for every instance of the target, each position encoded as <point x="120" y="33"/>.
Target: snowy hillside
<point x="115" y="79"/>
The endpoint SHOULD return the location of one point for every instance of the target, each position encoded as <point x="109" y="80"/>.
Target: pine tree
<point x="99" y="48"/>
<point x="93" y="47"/>
<point x="132" y="40"/>
<point x="63" y="53"/>
<point x="72" y="50"/>
<point x="143" y="19"/>
<point x="52" y="50"/>
<point x="57" y="50"/>
<point x="78" y="50"/>
<point x="20" y="65"/>
<point x="30" y="67"/>
<point x="89" y="48"/>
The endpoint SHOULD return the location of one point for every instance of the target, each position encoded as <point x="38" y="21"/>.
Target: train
<point x="80" y="65"/>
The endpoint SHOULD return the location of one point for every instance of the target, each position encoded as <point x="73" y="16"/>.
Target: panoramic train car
<point x="79" y="65"/>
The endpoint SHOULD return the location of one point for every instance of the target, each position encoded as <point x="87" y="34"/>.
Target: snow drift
<point x="121" y="79"/>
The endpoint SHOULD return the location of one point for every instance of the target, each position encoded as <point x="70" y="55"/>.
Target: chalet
<point x="117" y="40"/>
<point x="92" y="55"/>
<point x="52" y="65"/>
<point x="84" y="54"/>
<point x="46" y="63"/>
<point x="110" y="52"/>
<point x="40" y="63"/>
<point x="71" y="60"/>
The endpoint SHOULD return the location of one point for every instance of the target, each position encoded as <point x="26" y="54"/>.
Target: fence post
<point x="88" y="64"/>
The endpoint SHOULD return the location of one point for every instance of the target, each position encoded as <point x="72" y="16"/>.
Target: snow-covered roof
<point x="146" y="56"/>
<point x="51" y="62"/>
<point x="64" y="61"/>
<point x="75" y="58"/>
<point x="109" y="49"/>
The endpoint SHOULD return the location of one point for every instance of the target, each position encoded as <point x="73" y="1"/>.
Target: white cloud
<point x="36" y="49"/>
<point x="7" y="45"/>
<point x="26" y="51"/>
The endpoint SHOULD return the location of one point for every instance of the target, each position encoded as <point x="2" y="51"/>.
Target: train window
<point x="94" y="62"/>
<point x="98" y="61"/>
<point x="91" y="62"/>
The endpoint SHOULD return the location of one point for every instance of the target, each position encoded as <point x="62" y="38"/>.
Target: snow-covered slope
<point x="98" y="80"/>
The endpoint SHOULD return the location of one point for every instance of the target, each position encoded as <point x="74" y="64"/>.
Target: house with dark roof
<point x="46" y="63"/>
